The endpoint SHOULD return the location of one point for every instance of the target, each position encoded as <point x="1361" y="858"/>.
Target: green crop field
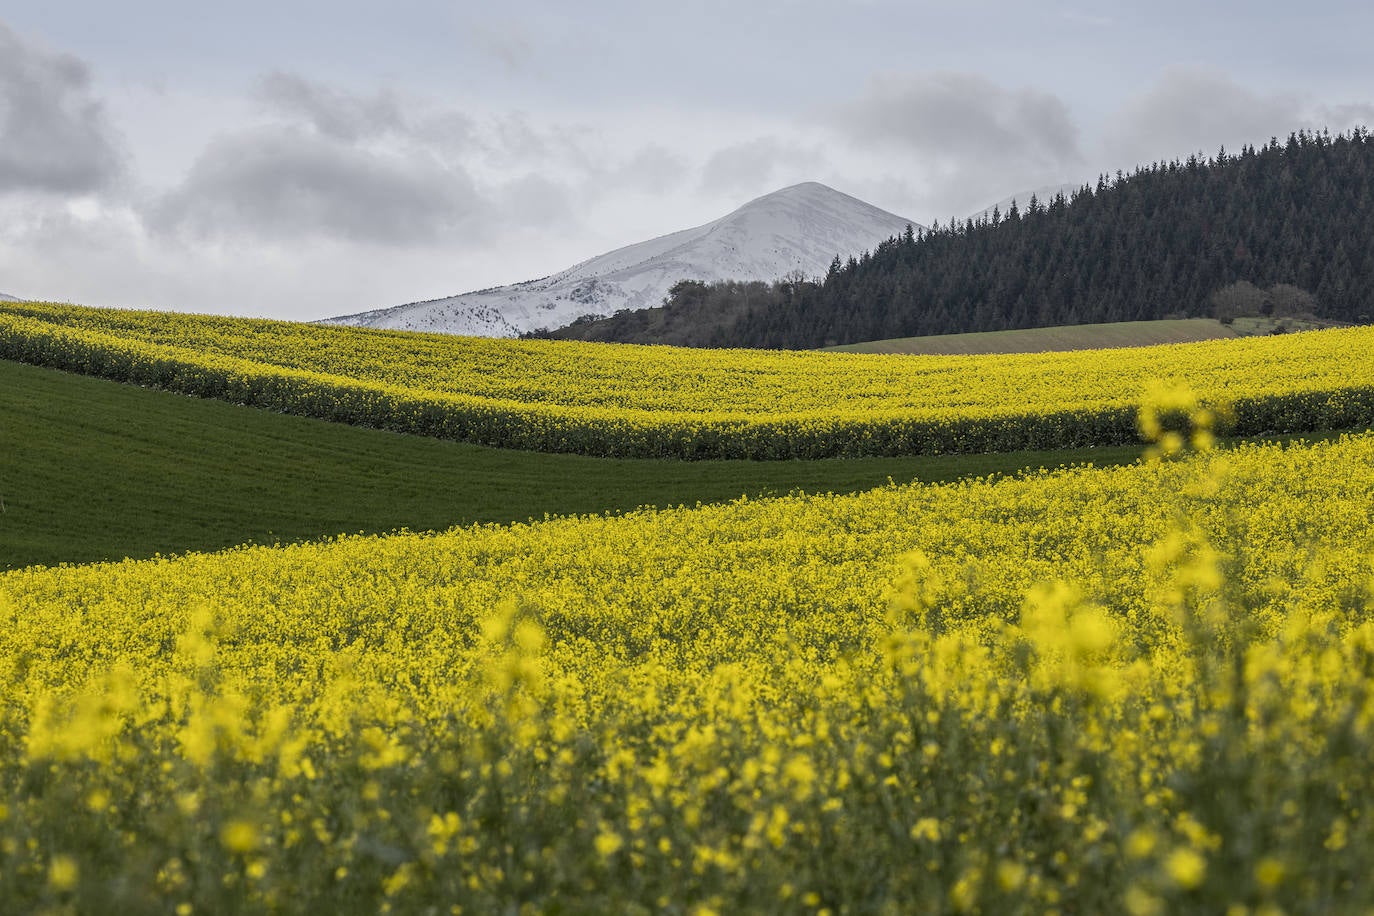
<point x="1078" y="337"/>
<point x="96" y="470"/>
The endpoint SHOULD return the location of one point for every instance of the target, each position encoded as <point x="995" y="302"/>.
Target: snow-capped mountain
<point x="799" y="228"/>
<point x="7" y="298"/>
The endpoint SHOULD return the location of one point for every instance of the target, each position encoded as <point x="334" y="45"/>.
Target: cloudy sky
<point x="300" y="159"/>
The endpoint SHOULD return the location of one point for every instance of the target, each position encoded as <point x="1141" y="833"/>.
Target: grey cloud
<point x="513" y="138"/>
<point x="450" y="130"/>
<point x="962" y="122"/>
<point x="754" y="165"/>
<point x="1344" y="117"/>
<point x="509" y="41"/>
<point x="1192" y="110"/>
<point x="532" y="201"/>
<point x="55" y="136"/>
<point x="284" y="183"/>
<point x="651" y="168"/>
<point x="334" y="113"/>
<point x="353" y="117"/>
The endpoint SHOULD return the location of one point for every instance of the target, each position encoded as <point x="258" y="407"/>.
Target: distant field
<point x="622" y="401"/>
<point x="1076" y="337"/>
<point x="95" y="470"/>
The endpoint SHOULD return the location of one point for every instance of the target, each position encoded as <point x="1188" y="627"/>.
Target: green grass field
<point x="1078" y="337"/>
<point x="95" y="470"/>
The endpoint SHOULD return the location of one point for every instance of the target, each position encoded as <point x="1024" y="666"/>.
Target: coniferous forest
<point x="1160" y="242"/>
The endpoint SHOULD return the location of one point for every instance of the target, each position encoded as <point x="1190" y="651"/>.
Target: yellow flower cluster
<point x="1146" y="689"/>
<point x="623" y="400"/>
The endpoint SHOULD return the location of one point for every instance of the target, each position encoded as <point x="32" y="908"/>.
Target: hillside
<point x="1157" y="243"/>
<point x="664" y="402"/>
<point x="1082" y="336"/>
<point x="96" y="470"/>
<point x="799" y="229"/>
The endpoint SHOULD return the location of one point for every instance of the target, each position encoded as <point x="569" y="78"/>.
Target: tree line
<point x="1171" y="239"/>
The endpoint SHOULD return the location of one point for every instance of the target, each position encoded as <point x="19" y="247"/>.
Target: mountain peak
<point x="811" y="193"/>
<point x="803" y="188"/>
<point x="799" y="228"/>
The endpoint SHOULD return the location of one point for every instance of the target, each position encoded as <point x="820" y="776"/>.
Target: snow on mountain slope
<point x="799" y="228"/>
<point x="7" y="298"/>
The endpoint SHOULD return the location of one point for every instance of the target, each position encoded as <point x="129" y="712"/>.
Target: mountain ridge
<point x="799" y="228"/>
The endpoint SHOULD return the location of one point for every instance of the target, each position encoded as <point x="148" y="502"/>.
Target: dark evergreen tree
<point x="1159" y="242"/>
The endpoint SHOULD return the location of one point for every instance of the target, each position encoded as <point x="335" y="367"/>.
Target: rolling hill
<point x="96" y="470"/>
<point x="661" y="402"/>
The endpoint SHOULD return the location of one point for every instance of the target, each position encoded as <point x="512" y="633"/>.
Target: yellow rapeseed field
<point x="1143" y="690"/>
<point x="606" y="399"/>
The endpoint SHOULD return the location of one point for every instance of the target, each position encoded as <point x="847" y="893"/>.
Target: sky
<point x="307" y="159"/>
